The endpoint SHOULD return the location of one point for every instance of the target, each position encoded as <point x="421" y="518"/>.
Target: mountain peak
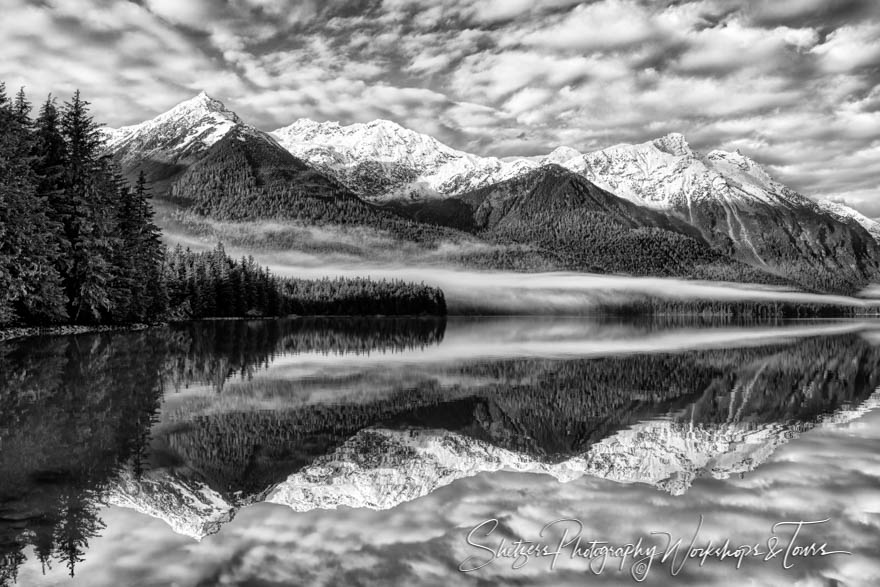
<point x="184" y="131"/>
<point x="673" y="143"/>
<point x="203" y="103"/>
<point x="384" y="123"/>
<point x="562" y="154"/>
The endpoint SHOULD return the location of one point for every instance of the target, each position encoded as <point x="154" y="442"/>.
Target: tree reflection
<point x="76" y="412"/>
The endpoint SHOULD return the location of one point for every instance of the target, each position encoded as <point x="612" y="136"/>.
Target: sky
<point x="795" y="84"/>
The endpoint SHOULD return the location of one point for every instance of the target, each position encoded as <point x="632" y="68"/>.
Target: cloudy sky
<point x="793" y="83"/>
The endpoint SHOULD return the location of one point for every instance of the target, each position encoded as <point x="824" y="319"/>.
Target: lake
<point x="479" y="451"/>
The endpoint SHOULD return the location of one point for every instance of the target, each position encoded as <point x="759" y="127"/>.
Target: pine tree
<point x="151" y="252"/>
<point x="22" y="107"/>
<point x="89" y="221"/>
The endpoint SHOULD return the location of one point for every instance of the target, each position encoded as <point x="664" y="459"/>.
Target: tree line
<point x="78" y="243"/>
<point x="212" y="284"/>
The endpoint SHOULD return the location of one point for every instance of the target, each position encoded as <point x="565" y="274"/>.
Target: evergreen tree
<point x="22" y="107"/>
<point x="150" y="251"/>
<point x="89" y="221"/>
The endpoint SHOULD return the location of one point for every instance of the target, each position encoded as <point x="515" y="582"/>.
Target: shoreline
<point x="18" y="332"/>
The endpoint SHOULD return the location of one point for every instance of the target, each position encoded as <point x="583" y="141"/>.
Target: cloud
<point x="850" y="48"/>
<point x="606" y="25"/>
<point x="792" y="82"/>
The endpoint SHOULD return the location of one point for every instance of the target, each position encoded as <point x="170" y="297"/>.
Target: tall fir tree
<point x="50" y="154"/>
<point x="89" y="221"/>
<point x="21" y="107"/>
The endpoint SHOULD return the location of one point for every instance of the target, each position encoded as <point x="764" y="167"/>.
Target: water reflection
<point x="189" y="424"/>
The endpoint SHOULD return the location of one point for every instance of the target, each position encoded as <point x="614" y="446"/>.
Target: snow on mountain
<point x="666" y="173"/>
<point x="846" y="213"/>
<point x="379" y="140"/>
<point x="663" y="173"/>
<point x="382" y="159"/>
<point x="178" y="135"/>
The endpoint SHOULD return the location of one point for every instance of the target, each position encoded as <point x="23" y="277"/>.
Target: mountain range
<point x="656" y="208"/>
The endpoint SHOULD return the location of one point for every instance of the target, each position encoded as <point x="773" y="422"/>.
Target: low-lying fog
<point x="488" y="292"/>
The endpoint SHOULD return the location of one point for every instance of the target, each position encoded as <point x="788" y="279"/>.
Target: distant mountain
<point x="381" y="159"/>
<point x="243" y="175"/>
<point x="179" y="134"/>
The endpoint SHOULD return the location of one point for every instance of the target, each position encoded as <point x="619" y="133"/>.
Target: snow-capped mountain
<point x="666" y="173"/>
<point x="659" y="173"/>
<point x="382" y="159"/>
<point x="200" y="141"/>
<point x="181" y="133"/>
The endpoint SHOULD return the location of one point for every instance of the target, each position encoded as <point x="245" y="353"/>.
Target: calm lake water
<point x="426" y="452"/>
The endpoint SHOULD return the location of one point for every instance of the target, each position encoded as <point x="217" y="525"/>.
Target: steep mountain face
<point x="202" y="154"/>
<point x="179" y="134"/>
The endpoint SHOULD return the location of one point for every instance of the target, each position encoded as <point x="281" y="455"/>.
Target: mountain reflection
<point x="191" y="422"/>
